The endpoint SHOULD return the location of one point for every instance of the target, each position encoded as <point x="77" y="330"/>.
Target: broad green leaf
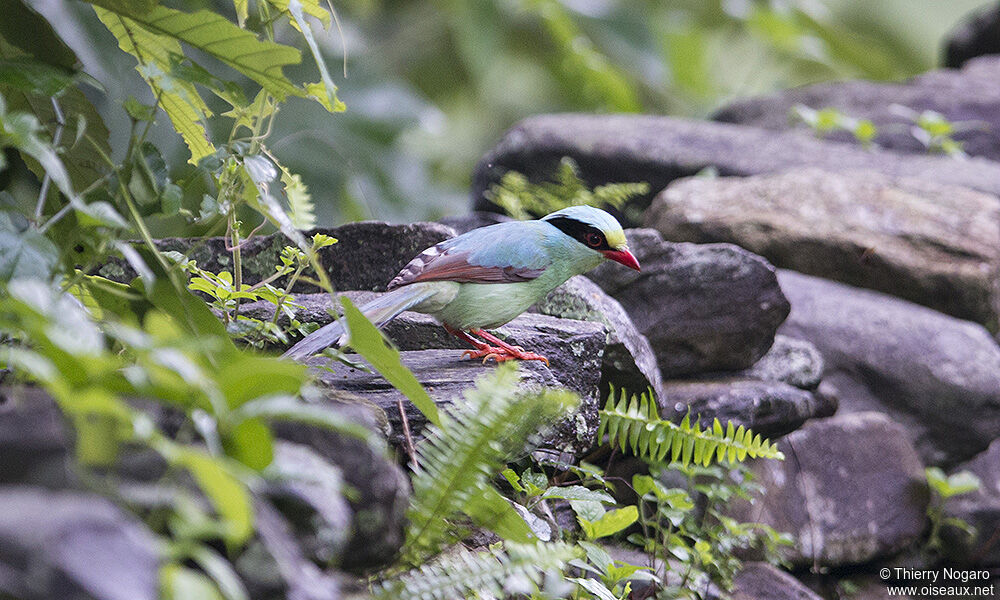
<point x="595" y="587"/>
<point x="216" y="36"/>
<point x="24" y="254"/>
<point x="182" y="583"/>
<point x="179" y="99"/>
<point x="287" y="408"/>
<point x="612" y="522"/>
<point x="222" y="572"/>
<point x="578" y="492"/>
<point x="494" y="512"/>
<point x="81" y="154"/>
<point x="32" y="35"/>
<point x="24" y="132"/>
<point x="228" y="496"/>
<point x="34" y="77"/>
<point x="251" y="443"/>
<point x="249" y="377"/>
<point x="369" y="343"/>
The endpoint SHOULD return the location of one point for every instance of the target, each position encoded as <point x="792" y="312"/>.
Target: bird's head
<point x="597" y="230"/>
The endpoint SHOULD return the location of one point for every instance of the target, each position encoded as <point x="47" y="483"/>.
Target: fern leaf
<point x="461" y="573"/>
<point x="300" y="204"/>
<point x="218" y="37"/>
<point x="478" y="433"/>
<point x="635" y="424"/>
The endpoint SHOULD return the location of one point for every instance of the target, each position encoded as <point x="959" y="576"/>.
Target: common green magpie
<point x="484" y="278"/>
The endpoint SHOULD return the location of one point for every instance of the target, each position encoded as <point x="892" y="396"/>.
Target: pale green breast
<point x="489" y="305"/>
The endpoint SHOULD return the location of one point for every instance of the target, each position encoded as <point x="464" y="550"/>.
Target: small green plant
<point x="522" y="199"/>
<point x="225" y="298"/>
<point x="943" y="487"/>
<point x="828" y="120"/>
<point x="933" y="130"/>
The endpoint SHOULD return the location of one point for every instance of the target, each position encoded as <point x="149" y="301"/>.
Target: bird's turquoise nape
<point x="486" y="277"/>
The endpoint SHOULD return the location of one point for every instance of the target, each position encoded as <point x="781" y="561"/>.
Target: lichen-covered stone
<point x="629" y="361"/>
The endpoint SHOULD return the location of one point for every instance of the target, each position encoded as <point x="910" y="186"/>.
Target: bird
<point x="486" y="277"/>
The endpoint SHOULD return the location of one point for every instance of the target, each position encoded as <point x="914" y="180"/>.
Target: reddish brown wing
<point x="451" y="264"/>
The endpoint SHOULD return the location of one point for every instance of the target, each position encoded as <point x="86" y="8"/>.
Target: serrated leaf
<point x="328" y="93"/>
<point x="216" y="36"/>
<point x="178" y="99"/>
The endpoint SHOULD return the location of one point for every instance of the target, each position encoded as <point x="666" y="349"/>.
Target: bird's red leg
<point x="507" y="351"/>
<point x="483" y="350"/>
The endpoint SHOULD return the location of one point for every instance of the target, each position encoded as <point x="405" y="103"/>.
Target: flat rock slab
<point x="60" y="544"/>
<point x="932" y="244"/>
<point x="629" y="361"/>
<point x="969" y="97"/>
<point x="446" y="375"/>
<point x="937" y="375"/>
<point x="657" y="150"/>
<point x="368" y="255"/>
<point x="851" y="489"/>
<point x="703" y="308"/>
<point x="769" y="408"/>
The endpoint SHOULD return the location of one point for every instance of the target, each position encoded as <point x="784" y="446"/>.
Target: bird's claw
<point x="503" y="355"/>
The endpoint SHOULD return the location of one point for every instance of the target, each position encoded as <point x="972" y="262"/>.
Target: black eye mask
<point x="588" y="235"/>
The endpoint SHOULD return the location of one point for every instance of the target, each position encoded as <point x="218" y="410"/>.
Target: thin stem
<point x="47" y="180"/>
<point x="234" y="230"/>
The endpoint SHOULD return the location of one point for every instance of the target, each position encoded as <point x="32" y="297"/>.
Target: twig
<point x="46" y="180"/>
<point x="406" y="435"/>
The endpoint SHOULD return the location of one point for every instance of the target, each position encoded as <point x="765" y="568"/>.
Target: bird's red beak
<point x="624" y="257"/>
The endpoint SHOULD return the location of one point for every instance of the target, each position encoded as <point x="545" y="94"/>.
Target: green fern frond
<point x="477" y="435"/>
<point x="459" y="574"/>
<point x="635" y="424"/>
<point x="521" y="199"/>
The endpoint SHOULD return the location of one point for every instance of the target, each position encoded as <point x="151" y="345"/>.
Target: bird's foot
<point x="503" y="354"/>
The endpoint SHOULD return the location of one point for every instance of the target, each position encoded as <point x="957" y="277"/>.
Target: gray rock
<point x="380" y="489"/>
<point x="937" y="375"/>
<point x="770" y="408"/>
<point x="574" y="349"/>
<point x="981" y="509"/>
<point x="629" y="362"/>
<point x="310" y="491"/>
<point x="969" y="98"/>
<point x="367" y="256"/>
<point x="34" y="442"/>
<point x="851" y="489"/>
<point x="758" y="580"/>
<point x="657" y="150"/>
<point x="73" y="546"/>
<point x="931" y="244"/>
<point x="791" y="361"/>
<point x="976" y="35"/>
<point x="703" y="308"/>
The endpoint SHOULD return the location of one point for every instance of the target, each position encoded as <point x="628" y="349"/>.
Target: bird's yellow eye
<point x="594" y="239"/>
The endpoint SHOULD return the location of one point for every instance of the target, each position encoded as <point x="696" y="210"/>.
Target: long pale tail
<point x="379" y="311"/>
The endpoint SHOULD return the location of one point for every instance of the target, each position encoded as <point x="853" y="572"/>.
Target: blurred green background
<point x="431" y="85"/>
